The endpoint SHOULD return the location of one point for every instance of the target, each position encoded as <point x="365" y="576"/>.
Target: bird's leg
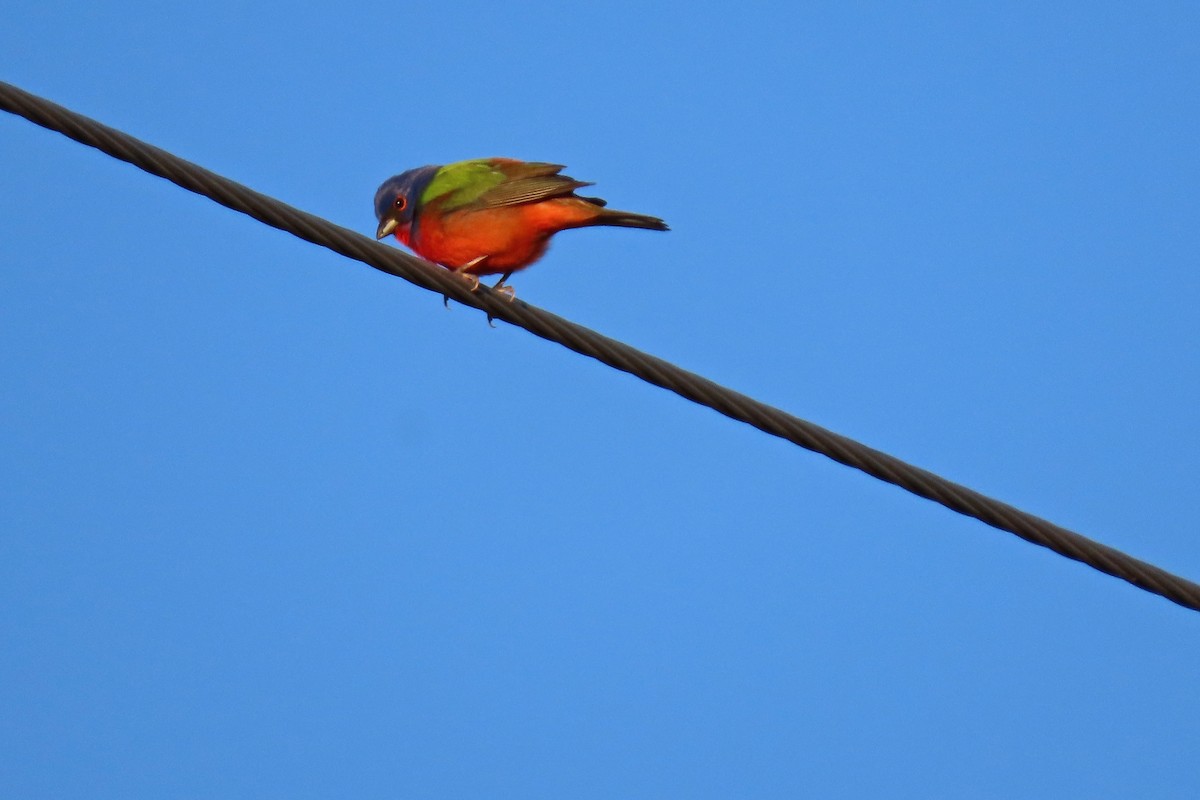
<point x="463" y="271"/>
<point x="474" y="262"/>
<point x="507" y="291"/>
<point x="474" y="279"/>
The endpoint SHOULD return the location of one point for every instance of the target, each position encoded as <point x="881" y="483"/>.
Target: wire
<point x="608" y="351"/>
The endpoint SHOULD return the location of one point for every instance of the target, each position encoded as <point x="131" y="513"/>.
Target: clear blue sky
<point x="277" y="525"/>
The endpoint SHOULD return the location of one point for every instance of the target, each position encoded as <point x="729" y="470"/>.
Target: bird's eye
<point x="400" y="203"/>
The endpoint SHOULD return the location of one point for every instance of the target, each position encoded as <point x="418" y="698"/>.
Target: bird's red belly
<point x="508" y="238"/>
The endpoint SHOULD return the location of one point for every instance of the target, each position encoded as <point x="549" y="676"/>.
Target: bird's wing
<point x="529" y="190"/>
<point x="494" y="182"/>
<point x="529" y="183"/>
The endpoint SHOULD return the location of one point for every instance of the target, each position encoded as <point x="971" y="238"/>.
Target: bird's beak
<point x="387" y="226"/>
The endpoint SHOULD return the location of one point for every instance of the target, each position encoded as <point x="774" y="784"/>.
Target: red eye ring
<point x="400" y="203"/>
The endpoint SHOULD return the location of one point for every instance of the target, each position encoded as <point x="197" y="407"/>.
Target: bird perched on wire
<point x="490" y="216"/>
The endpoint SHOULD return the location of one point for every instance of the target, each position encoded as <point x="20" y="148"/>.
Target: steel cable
<point x="608" y="351"/>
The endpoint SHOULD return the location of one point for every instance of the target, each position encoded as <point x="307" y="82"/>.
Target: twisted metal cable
<point x="608" y="351"/>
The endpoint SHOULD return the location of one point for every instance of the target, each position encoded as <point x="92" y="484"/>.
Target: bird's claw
<point x="500" y="287"/>
<point x="474" y="279"/>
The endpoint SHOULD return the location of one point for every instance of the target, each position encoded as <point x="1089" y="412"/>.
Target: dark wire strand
<point x="608" y="351"/>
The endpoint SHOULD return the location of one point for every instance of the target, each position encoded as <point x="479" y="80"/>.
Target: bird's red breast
<point x="511" y="237"/>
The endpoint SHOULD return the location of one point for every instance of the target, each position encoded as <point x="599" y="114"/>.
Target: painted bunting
<point x="490" y="216"/>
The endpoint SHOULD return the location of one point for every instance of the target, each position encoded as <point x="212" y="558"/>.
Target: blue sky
<point x="277" y="525"/>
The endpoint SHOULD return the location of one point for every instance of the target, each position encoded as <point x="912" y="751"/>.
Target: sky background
<point x="275" y="524"/>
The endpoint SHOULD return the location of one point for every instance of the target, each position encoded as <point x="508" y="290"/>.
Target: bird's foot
<point x="502" y="289"/>
<point x="474" y="288"/>
<point x="474" y="279"/>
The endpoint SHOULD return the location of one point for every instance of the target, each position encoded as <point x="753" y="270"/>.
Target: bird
<point x="490" y="216"/>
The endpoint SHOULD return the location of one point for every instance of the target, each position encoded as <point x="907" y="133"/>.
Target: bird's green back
<point x="462" y="183"/>
<point x="466" y="182"/>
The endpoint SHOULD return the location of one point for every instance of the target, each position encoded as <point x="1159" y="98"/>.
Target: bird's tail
<point x="627" y="219"/>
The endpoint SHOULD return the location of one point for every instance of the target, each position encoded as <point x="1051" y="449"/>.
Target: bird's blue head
<point x="397" y="199"/>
